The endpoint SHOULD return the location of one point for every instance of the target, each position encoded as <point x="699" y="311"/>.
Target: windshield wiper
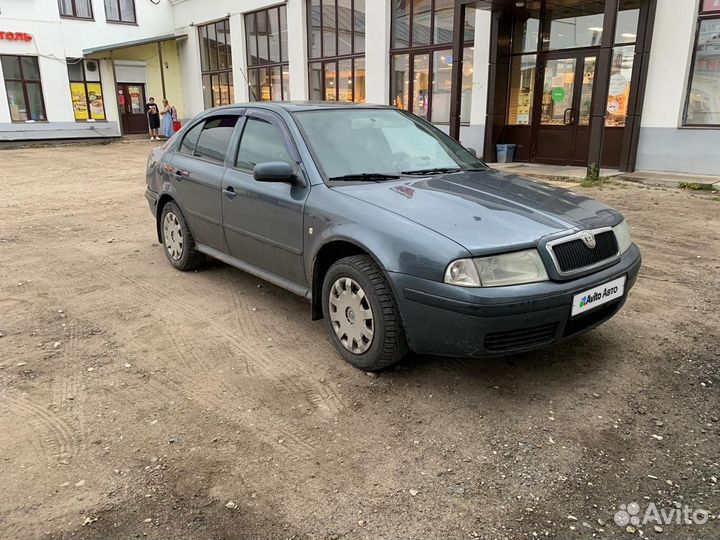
<point x="366" y="177"/>
<point x="436" y="170"/>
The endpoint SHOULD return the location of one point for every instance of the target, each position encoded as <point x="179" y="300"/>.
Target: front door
<point x="131" y="102"/>
<point x="264" y="220"/>
<point x="561" y="123"/>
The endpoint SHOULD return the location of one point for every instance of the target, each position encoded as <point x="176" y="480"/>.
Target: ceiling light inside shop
<point x="595" y="29"/>
<point x="629" y="36"/>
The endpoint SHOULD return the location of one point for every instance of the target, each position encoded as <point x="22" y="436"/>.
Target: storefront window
<point x="75" y="9"/>
<point x="619" y="90"/>
<point x="526" y="29"/>
<point x="336" y="47"/>
<point x="24" y="88"/>
<point x="703" y="100"/>
<point x="216" y="64"/>
<point x="574" y="24"/>
<point x="86" y="89"/>
<point x="522" y="90"/>
<point x="421" y="75"/>
<point x="267" y="54"/>
<point x="627" y="21"/>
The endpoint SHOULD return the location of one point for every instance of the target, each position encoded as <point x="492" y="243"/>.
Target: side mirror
<point x="471" y="150"/>
<point x="274" y="171"/>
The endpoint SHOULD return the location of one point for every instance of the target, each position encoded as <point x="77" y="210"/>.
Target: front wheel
<point x="362" y="315"/>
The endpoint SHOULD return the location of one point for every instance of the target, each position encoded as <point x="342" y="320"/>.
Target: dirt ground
<point x="137" y="401"/>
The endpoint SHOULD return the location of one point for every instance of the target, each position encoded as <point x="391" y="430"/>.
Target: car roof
<point x="297" y="106"/>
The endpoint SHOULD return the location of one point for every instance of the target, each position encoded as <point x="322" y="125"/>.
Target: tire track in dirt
<point x="280" y="367"/>
<point x="55" y="437"/>
<point x="223" y="396"/>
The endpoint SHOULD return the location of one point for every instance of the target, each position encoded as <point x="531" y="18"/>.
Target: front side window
<point x="261" y="143"/>
<point x="215" y="138"/>
<point x="385" y="141"/>
<point x="216" y="64"/>
<point x="24" y="88"/>
<point x="267" y="54"/>
<point x="76" y="9"/>
<point x="86" y="89"/>
<point x="421" y="58"/>
<point x="703" y="100"/>
<point x="120" y="11"/>
<point x="336" y="49"/>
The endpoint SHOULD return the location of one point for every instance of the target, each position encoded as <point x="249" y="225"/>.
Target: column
<point x="239" y="58"/>
<point x="377" y="51"/>
<point x="297" y="49"/>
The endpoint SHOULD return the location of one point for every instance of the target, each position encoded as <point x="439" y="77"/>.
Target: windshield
<point x="350" y="142"/>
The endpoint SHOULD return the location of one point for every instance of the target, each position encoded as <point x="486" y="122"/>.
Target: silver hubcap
<point x="351" y="315"/>
<point x="173" y="235"/>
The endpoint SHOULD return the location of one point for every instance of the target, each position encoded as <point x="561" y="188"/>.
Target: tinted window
<point x="261" y="143"/>
<point x="190" y="140"/>
<point x="215" y="137"/>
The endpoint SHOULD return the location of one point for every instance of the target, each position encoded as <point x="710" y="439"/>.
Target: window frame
<point x="120" y="20"/>
<point x="255" y="69"/>
<point x="278" y="123"/>
<point x="85" y="82"/>
<point x="335" y="59"/>
<point x="227" y="70"/>
<point x="74" y="15"/>
<point x="24" y="83"/>
<point x="413" y="50"/>
<point x="701" y="17"/>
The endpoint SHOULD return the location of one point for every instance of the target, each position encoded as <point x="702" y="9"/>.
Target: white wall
<point x="665" y="145"/>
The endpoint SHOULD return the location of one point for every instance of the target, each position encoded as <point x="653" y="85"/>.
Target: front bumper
<point x="446" y="320"/>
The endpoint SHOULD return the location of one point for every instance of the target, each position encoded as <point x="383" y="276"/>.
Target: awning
<point x="135" y="43"/>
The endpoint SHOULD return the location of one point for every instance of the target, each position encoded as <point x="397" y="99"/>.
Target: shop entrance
<point x="131" y="102"/>
<point x="562" y="109"/>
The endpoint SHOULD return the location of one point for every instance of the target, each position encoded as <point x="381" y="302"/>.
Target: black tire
<point x="388" y="345"/>
<point x="190" y="258"/>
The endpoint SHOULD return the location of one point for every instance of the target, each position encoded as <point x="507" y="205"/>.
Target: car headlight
<point x="497" y="271"/>
<point x="622" y="234"/>
<point x="462" y="273"/>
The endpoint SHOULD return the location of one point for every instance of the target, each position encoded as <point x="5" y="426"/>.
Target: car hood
<point x="486" y="211"/>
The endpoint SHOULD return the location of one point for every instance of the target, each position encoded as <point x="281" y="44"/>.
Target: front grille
<point x="523" y="338"/>
<point x="574" y="255"/>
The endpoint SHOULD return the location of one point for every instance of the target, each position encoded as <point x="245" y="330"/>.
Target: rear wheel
<point x="177" y="239"/>
<point x="362" y="315"/>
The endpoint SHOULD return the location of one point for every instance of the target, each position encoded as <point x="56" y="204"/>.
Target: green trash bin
<point x="505" y="153"/>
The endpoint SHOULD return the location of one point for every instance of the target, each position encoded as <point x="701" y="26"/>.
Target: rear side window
<point x="190" y="140"/>
<point x="215" y="138"/>
<point x="261" y="142"/>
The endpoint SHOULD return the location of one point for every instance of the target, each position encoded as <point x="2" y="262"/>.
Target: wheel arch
<point x="162" y="201"/>
<point x="329" y="253"/>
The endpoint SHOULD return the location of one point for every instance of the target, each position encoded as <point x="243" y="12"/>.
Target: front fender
<point x="396" y="243"/>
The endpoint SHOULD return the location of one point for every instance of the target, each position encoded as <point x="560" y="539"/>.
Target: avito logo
<point x="589" y="299"/>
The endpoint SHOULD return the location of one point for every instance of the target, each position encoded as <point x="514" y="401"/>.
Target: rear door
<point x="263" y="220"/>
<point x="198" y="170"/>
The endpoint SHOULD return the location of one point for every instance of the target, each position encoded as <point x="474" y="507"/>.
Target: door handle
<point x="179" y="174"/>
<point x="229" y="192"/>
<point x="565" y="116"/>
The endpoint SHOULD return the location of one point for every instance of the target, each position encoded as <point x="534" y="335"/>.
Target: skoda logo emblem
<point x="588" y="238"/>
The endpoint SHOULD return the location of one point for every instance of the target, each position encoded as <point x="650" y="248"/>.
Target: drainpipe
<point x="162" y="69"/>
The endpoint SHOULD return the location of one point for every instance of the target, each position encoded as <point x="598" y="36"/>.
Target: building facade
<point x="628" y="84"/>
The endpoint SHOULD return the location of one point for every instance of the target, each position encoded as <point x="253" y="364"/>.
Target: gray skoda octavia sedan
<point x="401" y="238"/>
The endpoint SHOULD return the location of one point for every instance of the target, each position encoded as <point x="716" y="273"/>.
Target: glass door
<point x="131" y="101"/>
<point x="561" y="133"/>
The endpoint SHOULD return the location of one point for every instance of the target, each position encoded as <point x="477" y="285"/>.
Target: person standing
<point x="168" y="113"/>
<point x="153" y="115"/>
